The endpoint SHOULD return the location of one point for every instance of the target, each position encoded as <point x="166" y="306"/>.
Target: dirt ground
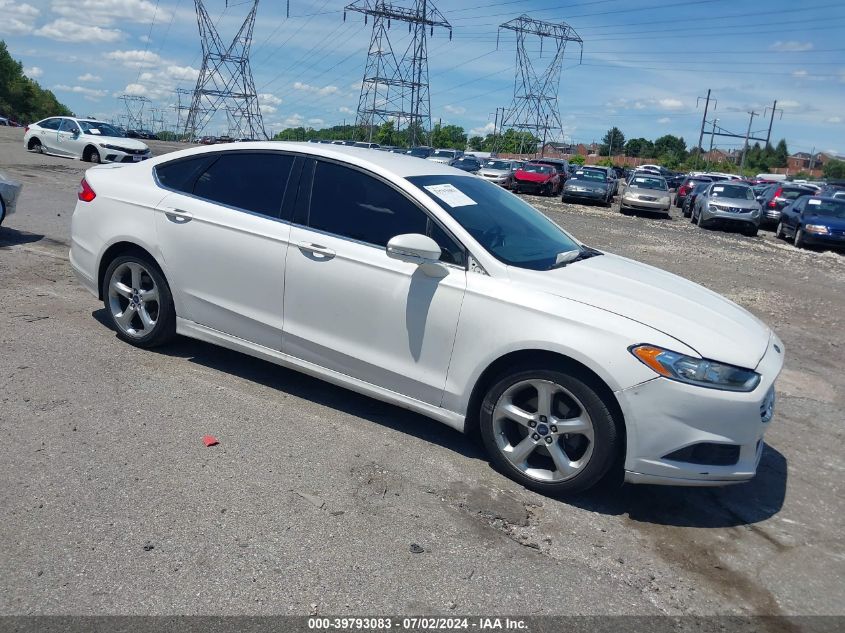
<point x="111" y="504"/>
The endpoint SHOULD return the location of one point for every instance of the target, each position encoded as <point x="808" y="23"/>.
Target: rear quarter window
<point x="180" y="175"/>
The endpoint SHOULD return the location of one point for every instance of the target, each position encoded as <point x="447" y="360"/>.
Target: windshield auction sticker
<point x="451" y="195"/>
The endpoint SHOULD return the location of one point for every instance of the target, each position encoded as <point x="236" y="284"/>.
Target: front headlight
<point x="665" y="200"/>
<point x="714" y="208"/>
<point x="819" y="229"/>
<point x="696" y="371"/>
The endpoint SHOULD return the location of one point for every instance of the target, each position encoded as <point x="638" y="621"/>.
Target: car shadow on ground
<point x="728" y="506"/>
<point x="742" y="504"/>
<point x="13" y="237"/>
<point x="315" y="390"/>
<point x="662" y="216"/>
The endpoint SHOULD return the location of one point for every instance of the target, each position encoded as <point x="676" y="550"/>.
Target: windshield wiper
<point x="567" y="257"/>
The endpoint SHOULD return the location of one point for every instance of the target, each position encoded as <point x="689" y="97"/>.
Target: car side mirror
<point x="419" y="249"/>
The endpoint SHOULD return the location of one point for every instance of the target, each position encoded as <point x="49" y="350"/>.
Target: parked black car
<point x="467" y="163"/>
<point x="774" y="199"/>
<point x="689" y="199"/>
<point x="687" y="185"/>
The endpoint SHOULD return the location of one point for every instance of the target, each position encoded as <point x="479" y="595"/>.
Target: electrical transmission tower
<point x="134" y="110"/>
<point x="535" y="95"/>
<point x="225" y="81"/>
<point x="396" y="89"/>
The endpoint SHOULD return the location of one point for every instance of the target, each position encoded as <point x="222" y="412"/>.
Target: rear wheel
<point x="138" y="301"/>
<point x="552" y="431"/>
<point x="779" y="231"/>
<point x="36" y="146"/>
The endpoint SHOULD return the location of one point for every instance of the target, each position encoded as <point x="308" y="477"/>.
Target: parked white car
<point x="440" y="292"/>
<point x="83" y="139"/>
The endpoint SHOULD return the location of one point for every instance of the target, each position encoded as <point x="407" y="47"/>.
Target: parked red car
<point x="536" y="178"/>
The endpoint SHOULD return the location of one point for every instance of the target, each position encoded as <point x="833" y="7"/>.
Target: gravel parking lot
<point x="314" y="499"/>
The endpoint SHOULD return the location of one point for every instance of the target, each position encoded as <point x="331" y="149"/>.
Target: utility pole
<point x="813" y="158"/>
<point x="747" y="134"/>
<point x="771" y="121"/>
<point x="710" y="152"/>
<point x="545" y="129"/>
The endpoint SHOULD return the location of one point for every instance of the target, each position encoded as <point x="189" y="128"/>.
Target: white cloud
<point x="835" y="119"/>
<point x="65" y="30"/>
<point x="107" y="12"/>
<point x="182" y="73"/>
<point x="89" y="77"/>
<point x="265" y="98"/>
<point x="88" y="92"/>
<point x="788" y="104"/>
<point x="136" y="90"/>
<point x="18" y="18"/>
<point x="294" y="120"/>
<point x="345" y="110"/>
<point x="33" y="72"/>
<point x="317" y="122"/>
<point x="670" y="103"/>
<point x="664" y="119"/>
<point x="799" y="74"/>
<point x="135" y="59"/>
<point x="484" y="130"/>
<point x="454" y="109"/>
<point x="791" y="46"/>
<point x="325" y="90"/>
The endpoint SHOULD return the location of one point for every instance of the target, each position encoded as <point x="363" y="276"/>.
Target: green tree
<point x="834" y="169"/>
<point x="781" y="154"/>
<point x="640" y="147"/>
<point x="613" y="141"/>
<point x="386" y="134"/>
<point x="449" y="136"/>
<point x="578" y="159"/>
<point x="669" y="144"/>
<point x="22" y="98"/>
<point x="476" y="143"/>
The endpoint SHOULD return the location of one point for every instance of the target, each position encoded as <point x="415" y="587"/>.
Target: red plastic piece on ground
<point x="209" y="440"/>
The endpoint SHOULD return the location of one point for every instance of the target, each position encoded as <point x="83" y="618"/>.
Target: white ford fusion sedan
<point x="435" y="290"/>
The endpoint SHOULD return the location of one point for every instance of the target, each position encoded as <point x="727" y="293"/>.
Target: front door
<point x="351" y="308"/>
<point x="224" y="243"/>
<point x="67" y="139"/>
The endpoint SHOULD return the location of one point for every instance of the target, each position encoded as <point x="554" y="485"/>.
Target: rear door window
<point x="50" y="124"/>
<point x="253" y="181"/>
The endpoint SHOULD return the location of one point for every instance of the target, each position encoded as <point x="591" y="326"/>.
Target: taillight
<point x="26" y="129"/>
<point x="772" y="203"/>
<point x="85" y="193"/>
<point x="684" y="190"/>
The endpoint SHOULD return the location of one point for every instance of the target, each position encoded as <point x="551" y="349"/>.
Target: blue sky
<point x="645" y="61"/>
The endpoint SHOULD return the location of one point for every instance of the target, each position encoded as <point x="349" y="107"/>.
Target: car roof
<point x="398" y="164"/>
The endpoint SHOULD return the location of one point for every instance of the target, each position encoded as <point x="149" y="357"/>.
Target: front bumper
<point x="743" y="217"/>
<point x="530" y="186"/>
<point x="498" y="179"/>
<point x="645" y="205"/>
<point x="667" y="419"/>
<point x="835" y="239"/>
<point x="589" y="194"/>
<point x="771" y="215"/>
<point x="118" y="156"/>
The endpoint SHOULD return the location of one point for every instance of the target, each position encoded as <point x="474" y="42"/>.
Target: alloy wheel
<point x="134" y="299"/>
<point x="543" y="430"/>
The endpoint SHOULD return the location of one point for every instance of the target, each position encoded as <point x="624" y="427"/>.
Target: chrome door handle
<point x="316" y="249"/>
<point x="178" y="216"/>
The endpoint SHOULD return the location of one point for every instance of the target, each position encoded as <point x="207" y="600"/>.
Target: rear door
<point x="47" y="134"/>
<point x="224" y="237"/>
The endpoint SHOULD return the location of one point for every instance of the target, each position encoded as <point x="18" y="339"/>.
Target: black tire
<point x="751" y="231"/>
<point x="2" y="211"/>
<point x="607" y="442"/>
<point x="798" y="239"/>
<point x="693" y="217"/>
<point x="91" y="155"/>
<point x="779" y="231"/>
<point x="165" y="328"/>
<point x="36" y="146"/>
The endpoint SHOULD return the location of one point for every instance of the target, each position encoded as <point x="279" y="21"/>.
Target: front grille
<point x="706" y="454"/>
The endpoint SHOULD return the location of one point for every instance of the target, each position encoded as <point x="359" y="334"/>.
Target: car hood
<point x="117" y="141"/>
<point x="826" y="220"/>
<point x="707" y="322"/>
<point x="740" y="203"/>
<point x="533" y="177"/>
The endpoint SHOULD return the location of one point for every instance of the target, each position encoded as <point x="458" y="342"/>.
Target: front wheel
<point x="2" y="211"/>
<point x="798" y="240"/>
<point x="552" y="431"/>
<point x="138" y="301"/>
<point x="779" y="231"/>
<point x="91" y="156"/>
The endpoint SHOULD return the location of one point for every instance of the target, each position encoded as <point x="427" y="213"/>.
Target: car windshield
<point x="466" y="161"/>
<point x="419" y="152"/>
<point x="792" y="194"/>
<point x="497" y="164"/>
<point x="512" y="231"/>
<point x="98" y="128"/>
<point x="648" y="182"/>
<point x="537" y="169"/>
<point x="444" y="153"/>
<point x="828" y="208"/>
<point x="735" y="192"/>
<point x="592" y="175"/>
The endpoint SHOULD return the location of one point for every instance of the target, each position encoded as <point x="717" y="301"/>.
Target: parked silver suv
<point x="728" y="202"/>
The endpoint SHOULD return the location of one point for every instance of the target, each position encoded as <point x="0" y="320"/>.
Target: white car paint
<point x="351" y="314"/>
<point x="72" y="138"/>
